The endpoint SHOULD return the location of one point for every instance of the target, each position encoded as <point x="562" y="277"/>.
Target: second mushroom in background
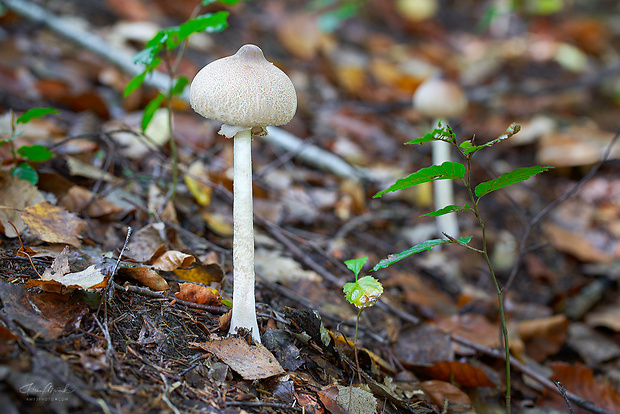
<point x="247" y="93"/>
<point x="440" y="99"/>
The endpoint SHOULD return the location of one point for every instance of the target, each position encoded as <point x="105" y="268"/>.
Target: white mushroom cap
<point x="244" y="90"/>
<point x="440" y="98"/>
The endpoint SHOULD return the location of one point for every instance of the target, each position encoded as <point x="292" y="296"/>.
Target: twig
<point x="554" y="204"/>
<point x="587" y="405"/>
<point x="23" y="250"/>
<point x="563" y="392"/>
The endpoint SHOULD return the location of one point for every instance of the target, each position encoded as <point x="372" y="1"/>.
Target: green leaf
<point x="150" y="109"/>
<point x="35" y="113"/>
<point x="446" y="210"/>
<point x="35" y="153"/>
<point x="134" y="84"/>
<point x="210" y="23"/>
<point x="470" y="148"/>
<point x="364" y="292"/>
<point x="438" y="134"/>
<point x="179" y="86"/>
<point x="356" y="265"/>
<point x="26" y="172"/>
<point x="146" y="55"/>
<point x="446" y="171"/>
<point x="427" y="245"/>
<point x="506" y="179"/>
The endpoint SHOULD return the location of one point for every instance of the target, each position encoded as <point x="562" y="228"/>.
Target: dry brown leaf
<point x="441" y="390"/>
<point x="582" y="245"/>
<point x="15" y="195"/>
<point x="462" y="373"/>
<point x="147" y="242"/>
<point x="77" y="198"/>
<point x="147" y="276"/>
<point x="473" y="327"/>
<point x="356" y="400"/>
<point x="300" y="34"/>
<point x="173" y="259"/>
<point x="608" y="317"/>
<point x="579" y="379"/>
<point x="53" y="224"/>
<point x="575" y="147"/>
<point x="46" y="314"/>
<point x="252" y="362"/>
<point x="202" y="295"/>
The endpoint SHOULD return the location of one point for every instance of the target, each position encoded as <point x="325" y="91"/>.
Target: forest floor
<point x="114" y="296"/>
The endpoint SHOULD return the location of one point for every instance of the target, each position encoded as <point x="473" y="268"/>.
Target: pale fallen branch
<point x="308" y="154"/>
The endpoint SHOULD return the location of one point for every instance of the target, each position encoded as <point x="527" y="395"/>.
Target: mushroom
<point x="438" y="98"/>
<point x="247" y="93"/>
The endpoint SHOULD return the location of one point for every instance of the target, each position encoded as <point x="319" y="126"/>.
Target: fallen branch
<point x="309" y="154"/>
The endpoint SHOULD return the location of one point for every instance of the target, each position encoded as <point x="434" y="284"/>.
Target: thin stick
<point x="23" y="250"/>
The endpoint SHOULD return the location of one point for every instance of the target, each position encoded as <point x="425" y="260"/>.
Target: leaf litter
<point x="428" y="345"/>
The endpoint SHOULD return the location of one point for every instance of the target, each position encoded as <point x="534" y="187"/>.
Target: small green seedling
<point x="32" y="153"/>
<point x="160" y="50"/>
<point x="461" y="172"/>
<point x="362" y="293"/>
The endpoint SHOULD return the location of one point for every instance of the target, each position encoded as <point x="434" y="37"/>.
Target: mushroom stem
<point x="244" y="307"/>
<point x="443" y="192"/>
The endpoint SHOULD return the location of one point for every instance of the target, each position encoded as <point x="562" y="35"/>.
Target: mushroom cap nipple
<point x="244" y="90"/>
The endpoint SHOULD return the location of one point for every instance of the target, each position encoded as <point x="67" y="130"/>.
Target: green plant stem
<point x="485" y="253"/>
<point x="357" y="362"/>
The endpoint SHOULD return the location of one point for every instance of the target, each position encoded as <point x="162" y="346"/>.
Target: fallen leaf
<point x="201" y="191"/>
<point x="439" y="391"/>
<point x="15" y="195"/>
<point x="608" y="317"/>
<point x="356" y="400"/>
<point x="463" y="373"/>
<point x="201" y="273"/>
<point x="146" y="276"/>
<point x="146" y="242"/>
<point x="173" y="259"/>
<point x="81" y="169"/>
<point x="53" y="224"/>
<point x="423" y="345"/>
<point x="252" y="362"/>
<point x="579" y="379"/>
<point x="471" y="326"/>
<point x="78" y="198"/>
<point x="543" y="336"/>
<point x="44" y="313"/>
<point x="202" y="295"/>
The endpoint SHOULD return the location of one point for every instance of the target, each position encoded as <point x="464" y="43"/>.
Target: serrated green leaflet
<point x="470" y="148"/>
<point x="364" y="292"/>
<point x="447" y="209"/>
<point x="509" y="178"/>
<point x="446" y="171"/>
<point x="35" y="113"/>
<point x="356" y="265"/>
<point x="418" y="248"/>
<point x="438" y="134"/>
<point x="35" y="153"/>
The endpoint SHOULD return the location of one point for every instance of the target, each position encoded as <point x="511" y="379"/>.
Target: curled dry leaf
<point x="145" y="275"/>
<point x="202" y="295"/>
<point x="462" y="373"/>
<point x="202" y="273"/>
<point x="173" y="259"/>
<point x="53" y="224"/>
